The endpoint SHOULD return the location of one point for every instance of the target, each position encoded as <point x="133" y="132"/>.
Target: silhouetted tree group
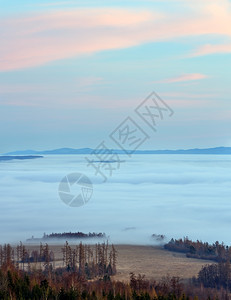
<point x="22" y="258"/>
<point x="93" y="261"/>
<point x="216" y="251"/>
<point x="215" y="276"/>
<point x="86" y="274"/>
<point x="85" y="260"/>
<point x="158" y="237"/>
<point x="37" y="285"/>
<point x="73" y="235"/>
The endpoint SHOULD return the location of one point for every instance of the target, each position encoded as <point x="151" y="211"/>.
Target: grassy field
<point x="153" y="261"/>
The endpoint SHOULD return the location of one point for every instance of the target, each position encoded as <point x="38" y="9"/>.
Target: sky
<point x="72" y="71"/>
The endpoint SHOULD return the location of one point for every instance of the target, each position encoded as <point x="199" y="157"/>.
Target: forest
<point x="85" y="260"/>
<point x="216" y="251"/>
<point x="86" y="272"/>
<point x="215" y="276"/>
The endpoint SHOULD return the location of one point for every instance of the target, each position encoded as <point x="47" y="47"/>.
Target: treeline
<point x="215" y="276"/>
<point x="37" y="285"/>
<point x="73" y="235"/>
<point x="88" y="261"/>
<point x="158" y="237"/>
<point x="216" y="251"/>
<point x="22" y="258"/>
<point x="68" y="236"/>
<point x="91" y="261"/>
<point x="84" y="272"/>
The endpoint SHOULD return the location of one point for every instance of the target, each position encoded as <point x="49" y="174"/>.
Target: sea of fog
<point x="174" y="195"/>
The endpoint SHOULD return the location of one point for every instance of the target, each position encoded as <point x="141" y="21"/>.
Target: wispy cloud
<point x="45" y="37"/>
<point x="212" y="49"/>
<point x="184" y="78"/>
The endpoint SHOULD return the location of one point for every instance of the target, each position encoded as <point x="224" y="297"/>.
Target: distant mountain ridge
<point x="65" y="151"/>
<point x="20" y="157"/>
<point x="55" y="151"/>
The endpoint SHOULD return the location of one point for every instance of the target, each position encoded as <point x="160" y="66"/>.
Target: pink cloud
<point x="212" y="49"/>
<point x="45" y="37"/>
<point x="184" y="78"/>
<point x="37" y="40"/>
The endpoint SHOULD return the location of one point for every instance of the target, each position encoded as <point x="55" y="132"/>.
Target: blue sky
<point x="72" y="71"/>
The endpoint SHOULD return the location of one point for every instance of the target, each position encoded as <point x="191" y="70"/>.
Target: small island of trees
<point x="68" y="236"/>
<point x="217" y="251"/>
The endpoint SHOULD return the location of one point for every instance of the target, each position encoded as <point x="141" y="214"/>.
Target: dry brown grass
<point x="153" y="261"/>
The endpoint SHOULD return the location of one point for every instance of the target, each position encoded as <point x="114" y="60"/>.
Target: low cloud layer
<point x="153" y="194"/>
